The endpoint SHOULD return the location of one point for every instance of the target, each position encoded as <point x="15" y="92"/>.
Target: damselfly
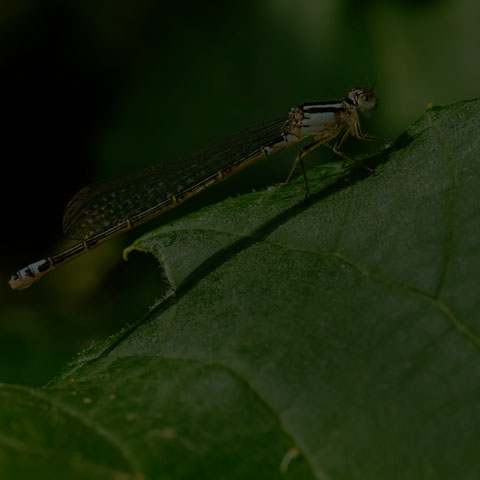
<point x="100" y="211"/>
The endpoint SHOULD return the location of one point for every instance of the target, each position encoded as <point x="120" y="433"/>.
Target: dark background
<point x="91" y="90"/>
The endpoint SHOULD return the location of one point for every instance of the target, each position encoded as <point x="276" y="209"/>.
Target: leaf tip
<point x="126" y="252"/>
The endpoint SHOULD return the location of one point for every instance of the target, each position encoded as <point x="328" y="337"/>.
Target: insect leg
<point x="357" y="132"/>
<point x="299" y="160"/>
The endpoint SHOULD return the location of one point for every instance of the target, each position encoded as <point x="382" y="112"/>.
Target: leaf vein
<point x="317" y="473"/>
<point x="451" y="210"/>
<point x="100" y="430"/>
<point x="444" y="309"/>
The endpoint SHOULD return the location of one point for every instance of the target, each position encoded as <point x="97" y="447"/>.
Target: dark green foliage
<point x="344" y="328"/>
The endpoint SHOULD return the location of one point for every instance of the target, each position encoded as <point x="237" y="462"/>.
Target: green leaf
<point x="336" y="338"/>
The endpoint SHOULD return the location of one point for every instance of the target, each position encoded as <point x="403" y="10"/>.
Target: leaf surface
<point x="336" y="338"/>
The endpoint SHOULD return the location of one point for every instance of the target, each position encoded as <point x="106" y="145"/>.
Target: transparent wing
<point x="98" y="207"/>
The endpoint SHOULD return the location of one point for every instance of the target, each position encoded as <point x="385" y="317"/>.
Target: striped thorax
<point x="326" y="119"/>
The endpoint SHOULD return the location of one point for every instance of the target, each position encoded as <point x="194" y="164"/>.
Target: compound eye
<point x="369" y="100"/>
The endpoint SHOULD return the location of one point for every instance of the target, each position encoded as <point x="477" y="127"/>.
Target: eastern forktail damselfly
<point x="100" y="211"/>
